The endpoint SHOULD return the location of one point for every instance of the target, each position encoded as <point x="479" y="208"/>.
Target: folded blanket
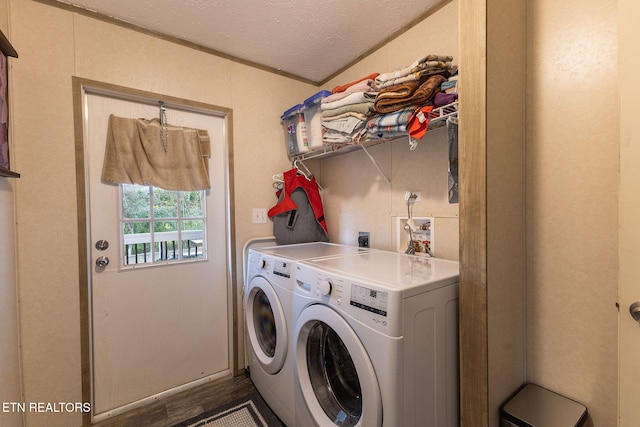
<point x="398" y="91"/>
<point x="347" y="124"/>
<point x="411" y="120"/>
<point x="391" y="100"/>
<point x="359" y="116"/>
<point x="368" y="85"/>
<point x="397" y="118"/>
<point x="420" y="75"/>
<point x="441" y="99"/>
<point x="353" y="98"/>
<point x="385" y="134"/>
<point x="427" y="65"/>
<point x="448" y="85"/>
<point x="346" y="86"/>
<point x="365" y="108"/>
<point x="332" y="137"/>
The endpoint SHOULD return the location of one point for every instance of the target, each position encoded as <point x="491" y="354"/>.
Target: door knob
<point x="634" y="309"/>
<point x="102" y="261"/>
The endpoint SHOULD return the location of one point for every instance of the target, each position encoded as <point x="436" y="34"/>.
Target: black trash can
<point x="538" y="407"/>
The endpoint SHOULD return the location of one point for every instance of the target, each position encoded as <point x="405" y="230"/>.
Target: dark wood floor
<point x="183" y="405"/>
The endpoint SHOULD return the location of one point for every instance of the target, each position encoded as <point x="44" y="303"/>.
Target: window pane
<point x="193" y="238"/>
<point x="165" y="235"/>
<point x="167" y="250"/>
<point x="135" y="201"/>
<point x="193" y="225"/>
<point x="137" y="243"/>
<point x="192" y="204"/>
<point x="160" y="227"/>
<point x="165" y="203"/>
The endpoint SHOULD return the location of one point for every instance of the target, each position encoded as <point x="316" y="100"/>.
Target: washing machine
<point x="376" y="341"/>
<point x="268" y="304"/>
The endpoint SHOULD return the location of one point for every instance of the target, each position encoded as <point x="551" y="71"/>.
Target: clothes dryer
<point x="268" y="304"/>
<point x="376" y="341"/>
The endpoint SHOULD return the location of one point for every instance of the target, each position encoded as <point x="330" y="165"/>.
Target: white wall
<point x="9" y="355"/>
<point x="572" y="160"/>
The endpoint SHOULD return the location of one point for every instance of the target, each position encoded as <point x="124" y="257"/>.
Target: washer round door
<point x="335" y="374"/>
<point x="266" y="325"/>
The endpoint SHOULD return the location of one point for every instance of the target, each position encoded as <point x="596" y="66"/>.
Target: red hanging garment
<point x="289" y="227"/>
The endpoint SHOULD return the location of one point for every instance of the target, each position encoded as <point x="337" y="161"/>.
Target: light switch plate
<point x="259" y="216"/>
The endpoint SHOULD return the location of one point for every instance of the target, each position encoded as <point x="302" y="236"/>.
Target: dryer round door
<point x="266" y="325"/>
<point x="335" y="374"/>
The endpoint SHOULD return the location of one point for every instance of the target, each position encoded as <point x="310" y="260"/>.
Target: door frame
<point x="493" y="222"/>
<point x="80" y="87"/>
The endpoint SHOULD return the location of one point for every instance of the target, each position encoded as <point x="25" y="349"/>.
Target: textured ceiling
<point x="308" y="39"/>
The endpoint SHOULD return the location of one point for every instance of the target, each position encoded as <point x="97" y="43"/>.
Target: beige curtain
<point x="141" y="151"/>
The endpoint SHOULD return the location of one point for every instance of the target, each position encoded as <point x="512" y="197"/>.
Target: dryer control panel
<point x="279" y="271"/>
<point x="282" y="268"/>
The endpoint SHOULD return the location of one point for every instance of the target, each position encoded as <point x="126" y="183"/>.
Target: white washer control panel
<point x="370" y="304"/>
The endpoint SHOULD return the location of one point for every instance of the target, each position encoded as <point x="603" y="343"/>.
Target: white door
<point x="160" y="309"/>
<point x="629" y="229"/>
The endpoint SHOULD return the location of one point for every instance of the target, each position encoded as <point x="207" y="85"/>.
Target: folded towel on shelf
<point x="413" y="121"/>
<point x="351" y="99"/>
<point x="367" y="85"/>
<point x="342" y="88"/>
<point x="449" y="86"/>
<point x="357" y="115"/>
<point x="397" y="118"/>
<point x="347" y="124"/>
<point x="398" y="91"/>
<point x="400" y="96"/>
<point x="441" y="99"/>
<point x="332" y="137"/>
<point x="365" y="108"/>
<point x="423" y="67"/>
<point x="421" y="63"/>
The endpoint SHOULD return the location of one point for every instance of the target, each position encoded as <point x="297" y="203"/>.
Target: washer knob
<point x="324" y="287"/>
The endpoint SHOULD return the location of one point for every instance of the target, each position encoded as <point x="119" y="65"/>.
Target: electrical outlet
<point x="363" y="239"/>
<point x="408" y="194"/>
<point x="259" y="216"/>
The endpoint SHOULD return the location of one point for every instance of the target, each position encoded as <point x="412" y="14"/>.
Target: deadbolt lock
<point x="102" y="245"/>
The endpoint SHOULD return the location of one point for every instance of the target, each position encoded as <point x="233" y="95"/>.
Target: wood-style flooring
<point x="183" y="405"/>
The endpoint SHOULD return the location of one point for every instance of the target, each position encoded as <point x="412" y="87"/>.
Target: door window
<point x="333" y="375"/>
<point x="160" y="226"/>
